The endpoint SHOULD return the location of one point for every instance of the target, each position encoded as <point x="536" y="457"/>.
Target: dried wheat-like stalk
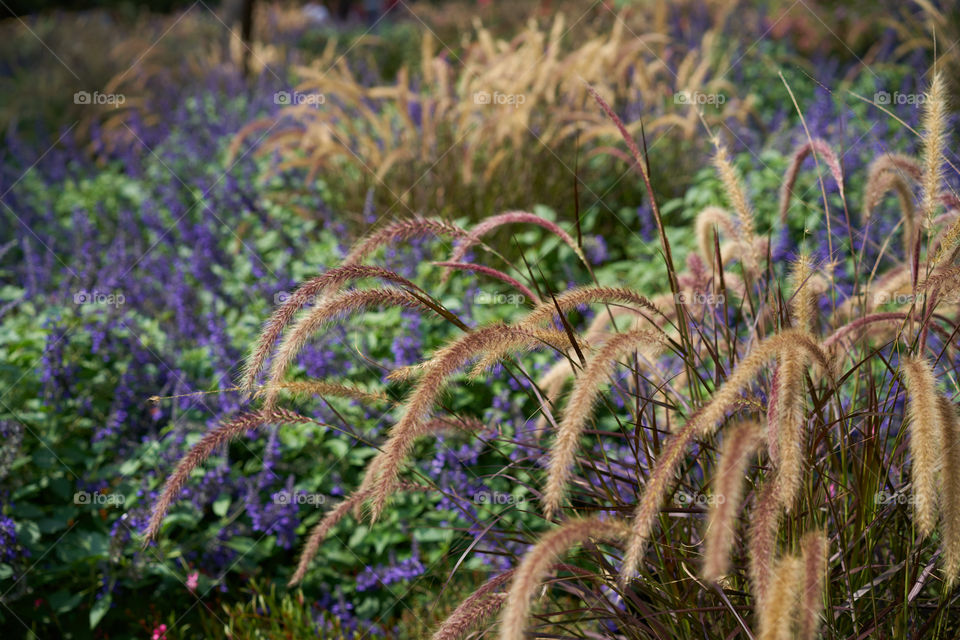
<point x="740" y="443"/>
<point x="778" y="611"/>
<point x="584" y="394"/>
<point x="701" y="424"/>
<point x="762" y="538"/>
<point x="482" y="603"/>
<point x="309" y="291"/>
<point x="950" y="505"/>
<point x="401" y="232"/>
<point x="332" y="308"/>
<point x="822" y="149"/>
<point x="538" y="560"/>
<point x="213" y="439"/>
<point x="814" y="550"/>
<point x="926" y="439"/>
<point x="738" y="198"/>
<point x="934" y="135"/>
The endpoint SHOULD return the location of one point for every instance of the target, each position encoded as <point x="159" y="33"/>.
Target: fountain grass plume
<point x="309" y="291"/>
<point x="538" y="560"/>
<point x="573" y="298"/>
<point x="779" y="611"/>
<point x="333" y="308"/>
<point x="926" y="439"/>
<point x="211" y="441"/>
<point x="333" y="517"/>
<point x="740" y="443"/>
<point x="814" y="551"/>
<point x="513" y="217"/>
<point x="578" y="409"/>
<point x="322" y="388"/>
<point x="934" y="137"/>
<point x="789" y="423"/>
<point x="741" y="205"/>
<point x="707" y="220"/>
<point x="762" y="538"/>
<point x="423" y="397"/>
<point x="402" y="231"/>
<point x="479" y="606"/>
<point x="822" y="149"/>
<point x="950" y="503"/>
<point x="702" y="424"/>
<point x="493" y="273"/>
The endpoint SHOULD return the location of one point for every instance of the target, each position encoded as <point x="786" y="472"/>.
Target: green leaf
<point x="63" y="601"/>
<point x="221" y="505"/>
<point x="99" y="609"/>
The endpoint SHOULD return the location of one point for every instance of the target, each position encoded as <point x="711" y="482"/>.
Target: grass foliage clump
<point x="789" y="397"/>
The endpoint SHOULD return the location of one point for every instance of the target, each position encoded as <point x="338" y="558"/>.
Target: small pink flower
<point x="159" y="632"/>
<point x="192" y="580"/>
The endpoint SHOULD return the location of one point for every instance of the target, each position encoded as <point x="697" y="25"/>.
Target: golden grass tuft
<point x="822" y="149"/>
<point x="573" y="298"/>
<point x="309" y="291"/>
<point x="708" y="219"/>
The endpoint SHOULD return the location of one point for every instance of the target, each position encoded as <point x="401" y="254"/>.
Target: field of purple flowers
<point x="153" y="224"/>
